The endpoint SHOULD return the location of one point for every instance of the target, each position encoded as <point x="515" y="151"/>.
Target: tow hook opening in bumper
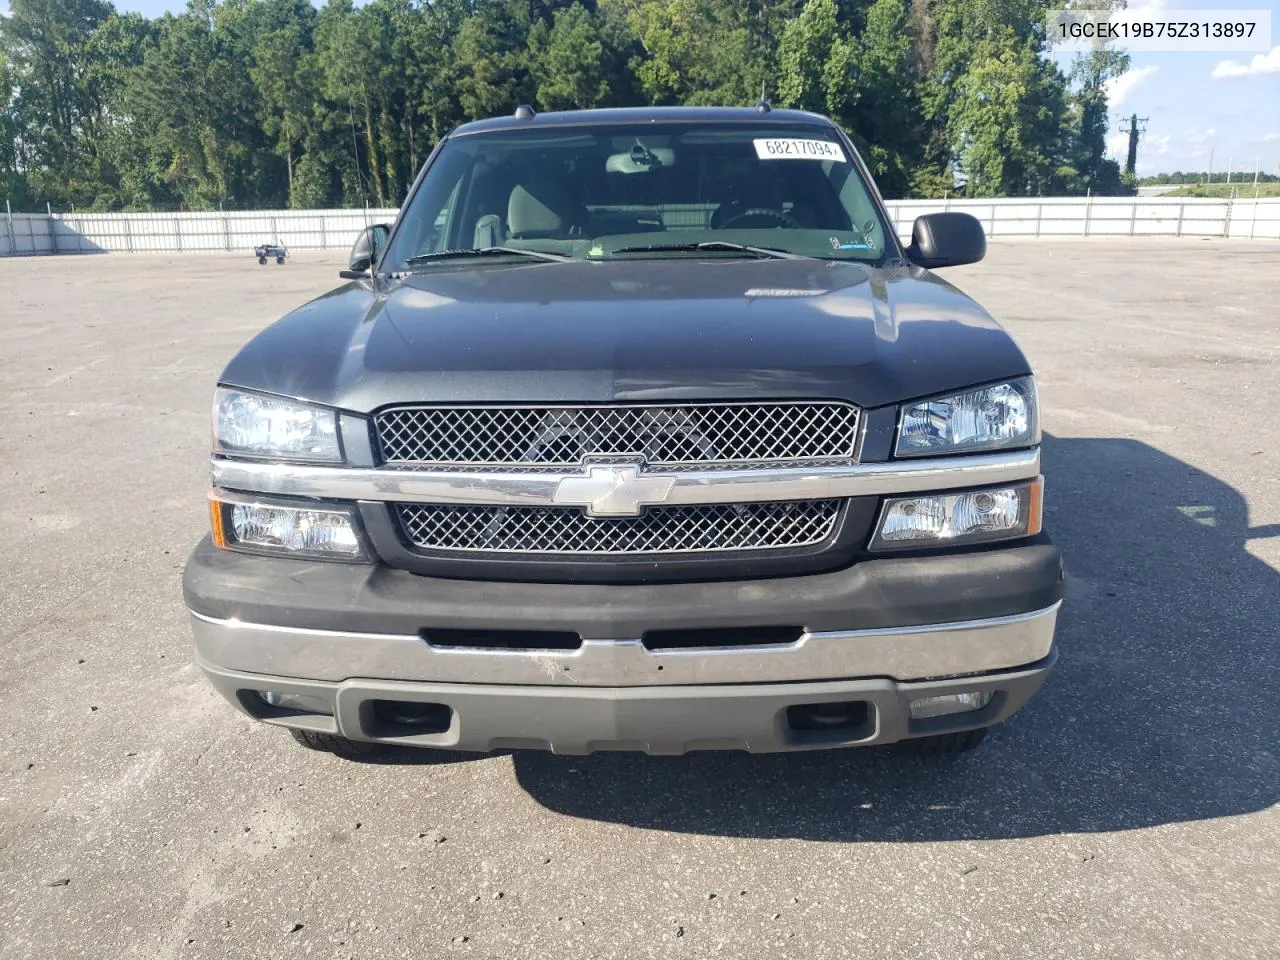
<point x="838" y="721"/>
<point x="395" y="719"/>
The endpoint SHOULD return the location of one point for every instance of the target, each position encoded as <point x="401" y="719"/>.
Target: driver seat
<point x="759" y="190"/>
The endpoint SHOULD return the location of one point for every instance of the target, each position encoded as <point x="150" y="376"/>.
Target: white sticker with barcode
<point x="792" y="149"/>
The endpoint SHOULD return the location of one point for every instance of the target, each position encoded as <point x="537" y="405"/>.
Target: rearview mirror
<point x="366" y="251"/>
<point x="641" y="159"/>
<point x="947" y="240"/>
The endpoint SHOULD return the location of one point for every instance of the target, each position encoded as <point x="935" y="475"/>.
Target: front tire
<point x="332" y="743"/>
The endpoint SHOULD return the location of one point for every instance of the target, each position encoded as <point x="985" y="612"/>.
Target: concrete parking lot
<point x="1130" y="811"/>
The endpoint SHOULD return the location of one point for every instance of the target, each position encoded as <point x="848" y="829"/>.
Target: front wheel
<point x="262" y="260"/>
<point x="332" y="743"/>
<point x="945" y="744"/>
<point x="279" y="259"/>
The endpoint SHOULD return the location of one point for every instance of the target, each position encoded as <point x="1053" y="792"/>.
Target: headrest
<point x="539" y="207"/>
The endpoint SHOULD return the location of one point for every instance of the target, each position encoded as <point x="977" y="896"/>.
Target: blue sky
<point x="1198" y="103"/>
<point x="1235" y="114"/>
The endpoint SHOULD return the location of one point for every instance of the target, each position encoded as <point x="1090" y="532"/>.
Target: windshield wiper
<point x="486" y="252"/>
<point x="713" y="245"/>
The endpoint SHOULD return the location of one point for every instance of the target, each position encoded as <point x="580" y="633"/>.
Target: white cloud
<point x="1119" y="88"/>
<point x="1150" y="146"/>
<point x="1271" y="138"/>
<point x="1140" y="11"/>
<point x="1260" y="64"/>
<point x="1138" y="8"/>
<point x="1198" y="142"/>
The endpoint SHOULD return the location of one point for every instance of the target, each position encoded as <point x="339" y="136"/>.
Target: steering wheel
<point x="784" y="219"/>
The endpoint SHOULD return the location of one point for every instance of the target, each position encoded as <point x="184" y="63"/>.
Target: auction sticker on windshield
<point x="792" y="149"/>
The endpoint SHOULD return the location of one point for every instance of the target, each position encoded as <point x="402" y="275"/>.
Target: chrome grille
<point x="665" y="436"/>
<point x="565" y="530"/>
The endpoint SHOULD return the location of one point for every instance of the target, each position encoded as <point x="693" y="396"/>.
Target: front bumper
<point x="878" y="634"/>
<point x="665" y="720"/>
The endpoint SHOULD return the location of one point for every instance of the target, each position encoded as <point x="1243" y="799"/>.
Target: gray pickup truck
<point x="637" y="430"/>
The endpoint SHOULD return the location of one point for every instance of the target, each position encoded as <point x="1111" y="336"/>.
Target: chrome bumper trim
<point x="534" y="489"/>
<point x="900" y="653"/>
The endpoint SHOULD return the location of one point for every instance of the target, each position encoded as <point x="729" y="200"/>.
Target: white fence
<point x="336" y="229"/>
<point x="184" y="232"/>
<point x="1107" y="216"/>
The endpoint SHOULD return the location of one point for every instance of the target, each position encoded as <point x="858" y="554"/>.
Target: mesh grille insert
<point x="665" y="436"/>
<point x="566" y="530"/>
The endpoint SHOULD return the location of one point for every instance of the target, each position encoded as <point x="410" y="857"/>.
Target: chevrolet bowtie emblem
<point x="614" y="490"/>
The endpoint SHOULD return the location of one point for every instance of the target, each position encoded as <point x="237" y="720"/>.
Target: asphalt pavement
<point x="1128" y="812"/>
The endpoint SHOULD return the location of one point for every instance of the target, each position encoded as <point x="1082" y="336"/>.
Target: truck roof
<point x="568" y="118"/>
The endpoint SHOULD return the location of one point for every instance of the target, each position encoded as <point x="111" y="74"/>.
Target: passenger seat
<point x="542" y="209"/>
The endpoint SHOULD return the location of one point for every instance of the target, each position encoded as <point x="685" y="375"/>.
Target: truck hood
<point x="674" y="329"/>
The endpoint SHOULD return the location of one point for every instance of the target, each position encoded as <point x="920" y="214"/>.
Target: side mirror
<point x="947" y="240"/>
<point x="366" y="251"/>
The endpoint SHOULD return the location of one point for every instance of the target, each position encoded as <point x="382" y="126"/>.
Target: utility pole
<point x="1135" y="128"/>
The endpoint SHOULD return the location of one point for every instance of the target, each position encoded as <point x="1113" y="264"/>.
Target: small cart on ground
<point x="270" y="250"/>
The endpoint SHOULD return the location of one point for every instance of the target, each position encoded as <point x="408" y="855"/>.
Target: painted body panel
<point x="632" y="330"/>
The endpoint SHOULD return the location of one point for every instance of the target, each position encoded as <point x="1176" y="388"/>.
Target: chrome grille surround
<point x="665" y="436"/>
<point x="560" y="531"/>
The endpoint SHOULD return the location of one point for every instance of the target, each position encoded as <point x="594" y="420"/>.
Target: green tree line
<point x="275" y="103"/>
<point x="1205" y="176"/>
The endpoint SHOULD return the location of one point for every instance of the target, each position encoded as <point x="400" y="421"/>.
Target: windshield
<point x="641" y="191"/>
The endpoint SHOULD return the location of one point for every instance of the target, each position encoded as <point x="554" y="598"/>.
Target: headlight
<point x="321" y="531"/>
<point x="990" y="418"/>
<point x="963" y="517"/>
<point x="255" y="425"/>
